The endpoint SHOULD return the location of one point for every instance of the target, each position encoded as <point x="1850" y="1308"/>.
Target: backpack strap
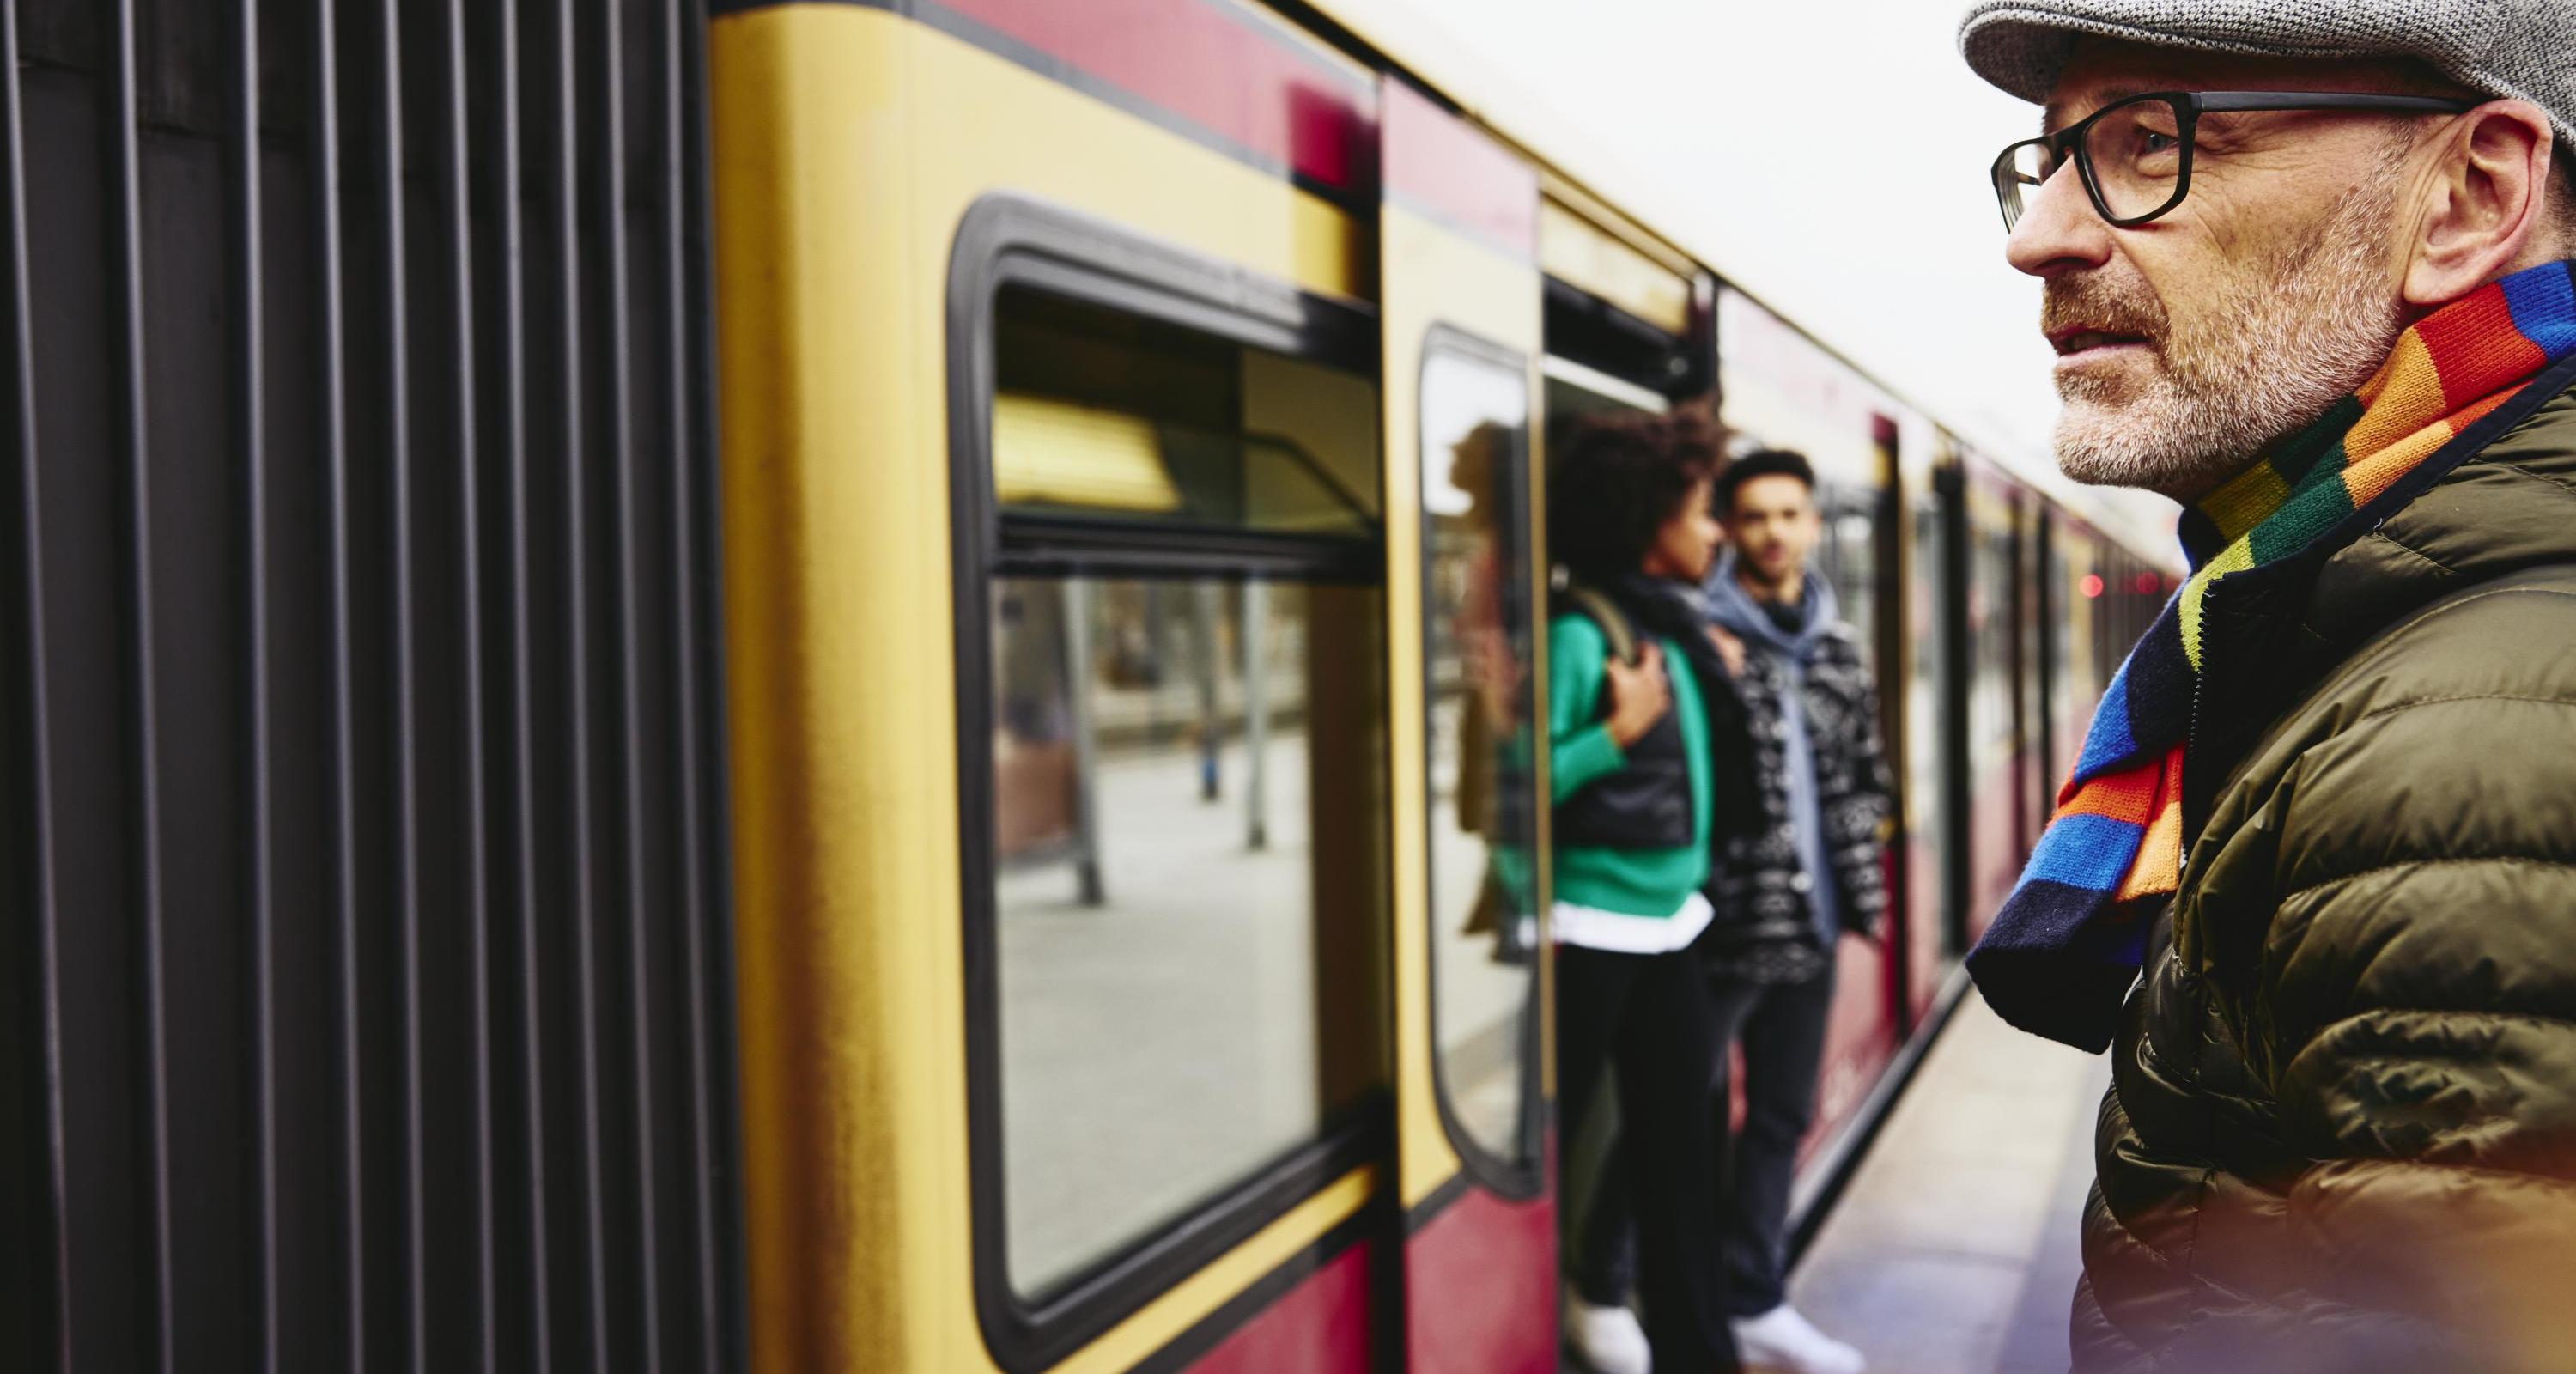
<point x="1597" y="607"/>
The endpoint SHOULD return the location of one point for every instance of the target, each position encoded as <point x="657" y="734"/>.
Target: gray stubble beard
<point x="2300" y="330"/>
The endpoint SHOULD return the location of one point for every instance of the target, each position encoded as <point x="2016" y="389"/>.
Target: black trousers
<point x="1648" y="1018"/>
<point x="1782" y="1026"/>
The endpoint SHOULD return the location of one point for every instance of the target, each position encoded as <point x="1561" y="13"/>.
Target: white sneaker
<point x="1609" y="1340"/>
<point x="1780" y="1339"/>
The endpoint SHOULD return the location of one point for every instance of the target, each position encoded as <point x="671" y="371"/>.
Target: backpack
<point x="1596" y="606"/>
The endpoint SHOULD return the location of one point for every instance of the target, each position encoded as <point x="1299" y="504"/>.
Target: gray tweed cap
<point x="2514" y="49"/>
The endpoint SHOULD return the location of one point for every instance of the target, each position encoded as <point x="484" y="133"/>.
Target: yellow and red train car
<point x="850" y="686"/>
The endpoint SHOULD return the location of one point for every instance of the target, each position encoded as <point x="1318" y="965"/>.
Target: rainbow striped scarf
<point x="2060" y="955"/>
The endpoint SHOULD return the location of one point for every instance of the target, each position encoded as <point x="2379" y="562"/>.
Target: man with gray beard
<point x="2313" y="878"/>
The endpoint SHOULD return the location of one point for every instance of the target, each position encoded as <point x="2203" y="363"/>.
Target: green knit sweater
<point x="1630" y="882"/>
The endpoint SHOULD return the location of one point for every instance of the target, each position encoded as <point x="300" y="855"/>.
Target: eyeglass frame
<point x="2067" y="144"/>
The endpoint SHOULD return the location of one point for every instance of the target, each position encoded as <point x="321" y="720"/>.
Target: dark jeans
<point x="1783" y="1030"/>
<point x="1648" y="1018"/>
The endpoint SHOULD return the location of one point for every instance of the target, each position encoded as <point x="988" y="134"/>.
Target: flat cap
<point x="2511" y="49"/>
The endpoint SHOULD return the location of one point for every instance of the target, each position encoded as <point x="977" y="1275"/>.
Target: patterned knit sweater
<point x="1766" y="930"/>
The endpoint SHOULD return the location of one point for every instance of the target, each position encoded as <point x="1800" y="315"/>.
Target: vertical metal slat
<point x="384" y="165"/>
<point x="454" y="194"/>
<point x="46" y="1252"/>
<point x="505" y="198"/>
<point x="249" y="370"/>
<point x="563" y="164"/>
<point x="332" y="441"/>
<point x="607" y="159"/>
<point x="692" y="906"/>
<point x="143" y="746"/>
<point x="695" y="485"/>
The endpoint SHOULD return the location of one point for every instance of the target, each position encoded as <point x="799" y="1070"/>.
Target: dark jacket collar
<point x="2498" y="499"/>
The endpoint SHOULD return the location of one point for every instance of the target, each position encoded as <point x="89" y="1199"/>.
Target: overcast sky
<point x="1830" y="156"/>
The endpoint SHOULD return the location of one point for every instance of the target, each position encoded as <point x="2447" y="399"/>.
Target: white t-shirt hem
<point x="1616" y="932"/>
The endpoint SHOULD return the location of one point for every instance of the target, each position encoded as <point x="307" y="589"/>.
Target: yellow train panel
<point x="849" y="144"/>
<point x="1580" y="253"/>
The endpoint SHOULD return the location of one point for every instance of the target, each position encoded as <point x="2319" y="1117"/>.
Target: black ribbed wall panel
<point x="364" y="977"/>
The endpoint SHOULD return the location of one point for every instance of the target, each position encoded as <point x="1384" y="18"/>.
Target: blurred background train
<point x="788" y="689"/>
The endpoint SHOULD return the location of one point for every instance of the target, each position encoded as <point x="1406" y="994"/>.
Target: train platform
<point x="1954" y="1248"/>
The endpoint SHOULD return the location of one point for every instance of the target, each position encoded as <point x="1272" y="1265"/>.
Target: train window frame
<point x="1008" y="241"/>
<point x="1526" y="1179"/>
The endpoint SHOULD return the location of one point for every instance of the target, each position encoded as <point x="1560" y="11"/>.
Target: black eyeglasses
<point x="2134" y="155"/>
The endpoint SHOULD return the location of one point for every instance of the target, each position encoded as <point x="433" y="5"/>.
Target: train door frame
<point x="2018" y="662"/>
<point x="2045" y="593"/>
<point x="1895" y="670"/>
<point x="1458" y="258"/>
<point x="1957" y="674"/>
<point x="1599" y="343"/>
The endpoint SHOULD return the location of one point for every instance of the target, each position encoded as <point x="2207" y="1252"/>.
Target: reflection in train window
<point x="1476" y="609"/>
<point x="1103" y="416"/>
<point x="1182" y="777"/>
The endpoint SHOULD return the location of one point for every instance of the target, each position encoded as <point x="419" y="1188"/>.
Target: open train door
<point x="1460" y="311"/>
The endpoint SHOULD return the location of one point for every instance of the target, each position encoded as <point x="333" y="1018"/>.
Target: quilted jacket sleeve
<point x="2417" y="1014"/>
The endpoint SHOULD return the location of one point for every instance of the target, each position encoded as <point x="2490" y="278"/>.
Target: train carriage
<point x="872" y="683"/>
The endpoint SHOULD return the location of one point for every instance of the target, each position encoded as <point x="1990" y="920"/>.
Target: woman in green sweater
<point x="1632" y="685"/>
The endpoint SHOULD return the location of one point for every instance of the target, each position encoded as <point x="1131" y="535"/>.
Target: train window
<point x="1850" y="557"/>
<point x="1476" y="614"/>
<point x="1926" y="819"/>
<point x="1993" y="754"/>
<point x="1159" y="751"/>
<point x="1177" y="881"/>
<point x="2069" y="563"/>
<point x="1103" y="415"/>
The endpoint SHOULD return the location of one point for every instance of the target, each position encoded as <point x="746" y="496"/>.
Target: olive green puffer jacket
<point x="2341" y="1134"/>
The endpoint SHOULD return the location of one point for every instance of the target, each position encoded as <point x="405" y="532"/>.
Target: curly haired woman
<point x="1632" y="683"/>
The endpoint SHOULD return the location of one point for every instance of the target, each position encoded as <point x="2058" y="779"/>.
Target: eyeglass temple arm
<point x="2224" y="102"/>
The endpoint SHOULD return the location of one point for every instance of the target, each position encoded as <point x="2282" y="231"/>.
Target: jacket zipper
<point x="2191" y="731"/>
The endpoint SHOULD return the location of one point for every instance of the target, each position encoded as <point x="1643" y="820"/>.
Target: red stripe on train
<point x="1321" y="1326"/>
<point x="1221" y="73"/>
<point x="1225" y="75"/>
<point x="1442" y="164"/>
<point x="1479" y="1297"/>
<point x="1480" y="1288"/>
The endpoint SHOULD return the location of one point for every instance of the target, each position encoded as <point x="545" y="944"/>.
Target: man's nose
<point x="2059" y="231"/>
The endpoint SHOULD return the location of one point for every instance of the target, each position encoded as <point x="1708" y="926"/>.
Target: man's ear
<point x="2485" y="207"/>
